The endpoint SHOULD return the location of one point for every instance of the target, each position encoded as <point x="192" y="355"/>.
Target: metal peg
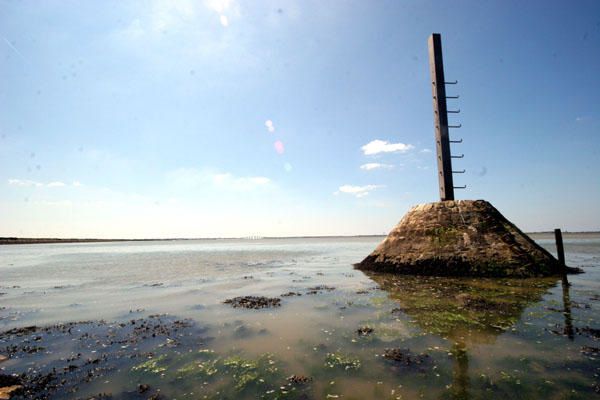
<point x="459" y="172"/>
<point x="453" y="97"/>
<point x="455" y="126"/>
<point x="451" y="83"/>
<point x="461" y="156"/>
<point x="456" y="141"/>
<point x="453" y="111"/>
<point x="460" y="187"/>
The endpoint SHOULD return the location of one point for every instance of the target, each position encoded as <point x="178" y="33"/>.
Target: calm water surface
<point x="444" y="338"/>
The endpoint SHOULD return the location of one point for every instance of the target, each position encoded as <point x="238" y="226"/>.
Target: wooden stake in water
<point x="440" y="118"/>
<point x="559" y="247"/>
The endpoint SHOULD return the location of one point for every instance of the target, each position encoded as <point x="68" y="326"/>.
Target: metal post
<point x="440" y="117"/>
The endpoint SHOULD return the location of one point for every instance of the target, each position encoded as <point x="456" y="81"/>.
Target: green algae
<point x="247" y="372"/>
<point x="153" y="365"/>
<point x="455" y="306"/>
<point x="344" y="361"/>
<point x="199" y="369"/>
<point x="442" y="235"/>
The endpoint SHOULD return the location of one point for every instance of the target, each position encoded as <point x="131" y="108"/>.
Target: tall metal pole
<point x="440" y="117"/>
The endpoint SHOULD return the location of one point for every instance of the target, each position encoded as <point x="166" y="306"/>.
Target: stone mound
<point x="460" y="238"/>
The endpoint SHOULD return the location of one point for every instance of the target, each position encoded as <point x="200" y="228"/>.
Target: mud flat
<point x="160" y="329"/>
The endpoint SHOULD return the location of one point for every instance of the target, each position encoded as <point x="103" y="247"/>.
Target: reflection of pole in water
<point x="460" y="373"/>
<point x="560" y="250"/>
<point x="567" y="308"/>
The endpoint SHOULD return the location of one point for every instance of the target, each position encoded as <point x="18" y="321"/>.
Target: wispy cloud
<point x="23" y="182"/>
<point x="426" y="151"/>
<point x="230" y="181"/>
<point x="56" y="184"/>
<point x="372" y="166"/>
<point x="382" y="146"/>
<point x="166" y="35"/>
<point x="192" y="177"/>
<point x="357" y="191"/>
<point x="29" y="183"/>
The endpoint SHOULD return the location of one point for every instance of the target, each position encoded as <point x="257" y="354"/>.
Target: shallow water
<point x="454" y="338"/>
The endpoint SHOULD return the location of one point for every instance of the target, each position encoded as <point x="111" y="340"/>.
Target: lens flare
<point x="270" y="126"/>
<point x="279" y="148"/>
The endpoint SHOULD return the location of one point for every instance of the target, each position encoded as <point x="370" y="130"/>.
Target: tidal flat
<point x="288" y="319"/>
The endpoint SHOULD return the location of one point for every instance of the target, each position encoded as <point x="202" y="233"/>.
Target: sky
<point x="230" y="118"/>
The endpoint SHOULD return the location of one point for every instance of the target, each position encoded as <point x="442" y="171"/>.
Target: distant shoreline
<point x="18" y="240"/>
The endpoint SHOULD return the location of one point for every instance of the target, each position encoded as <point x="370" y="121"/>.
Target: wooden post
<point x="559" y="248"/>
<point x="440" y="117"/>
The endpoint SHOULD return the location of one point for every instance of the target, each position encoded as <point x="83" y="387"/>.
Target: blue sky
<point x="274" y="118"/>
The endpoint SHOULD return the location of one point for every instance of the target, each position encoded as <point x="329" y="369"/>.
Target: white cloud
<point x="224" y="21"/>
<point x="426" y="151"/>
<point x="371" y="166"/>
<point x="270" y="126"/>
<point x="358" y="191"/>
<point x="382" y="146"/>
<point x="29" y="183"/>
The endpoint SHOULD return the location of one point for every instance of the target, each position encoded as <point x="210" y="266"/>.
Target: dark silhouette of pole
<point x="560" y="248"/>
<point x="440" y="118"/>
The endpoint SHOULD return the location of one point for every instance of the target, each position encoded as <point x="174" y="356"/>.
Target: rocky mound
<point x="459" y="238"/>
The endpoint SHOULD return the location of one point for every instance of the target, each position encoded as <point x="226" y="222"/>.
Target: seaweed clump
<point x="405" y="357"/>
<point x="253" y="302"/>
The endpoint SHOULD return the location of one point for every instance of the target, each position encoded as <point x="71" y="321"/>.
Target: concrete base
<point x="460" y="238"/>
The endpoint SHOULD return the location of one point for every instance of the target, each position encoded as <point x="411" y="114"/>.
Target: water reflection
<point x="567" y="308"/>
<point x="467" y="311"/>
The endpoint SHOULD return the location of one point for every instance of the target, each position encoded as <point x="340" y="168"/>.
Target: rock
<point x="6" y="392"/>
<point x="299" y="379"/>
<point x="9" y="385"/>
<point x="460" y="238"/>
<point x="364" y="331"/>
<point x="405" y="357"/>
